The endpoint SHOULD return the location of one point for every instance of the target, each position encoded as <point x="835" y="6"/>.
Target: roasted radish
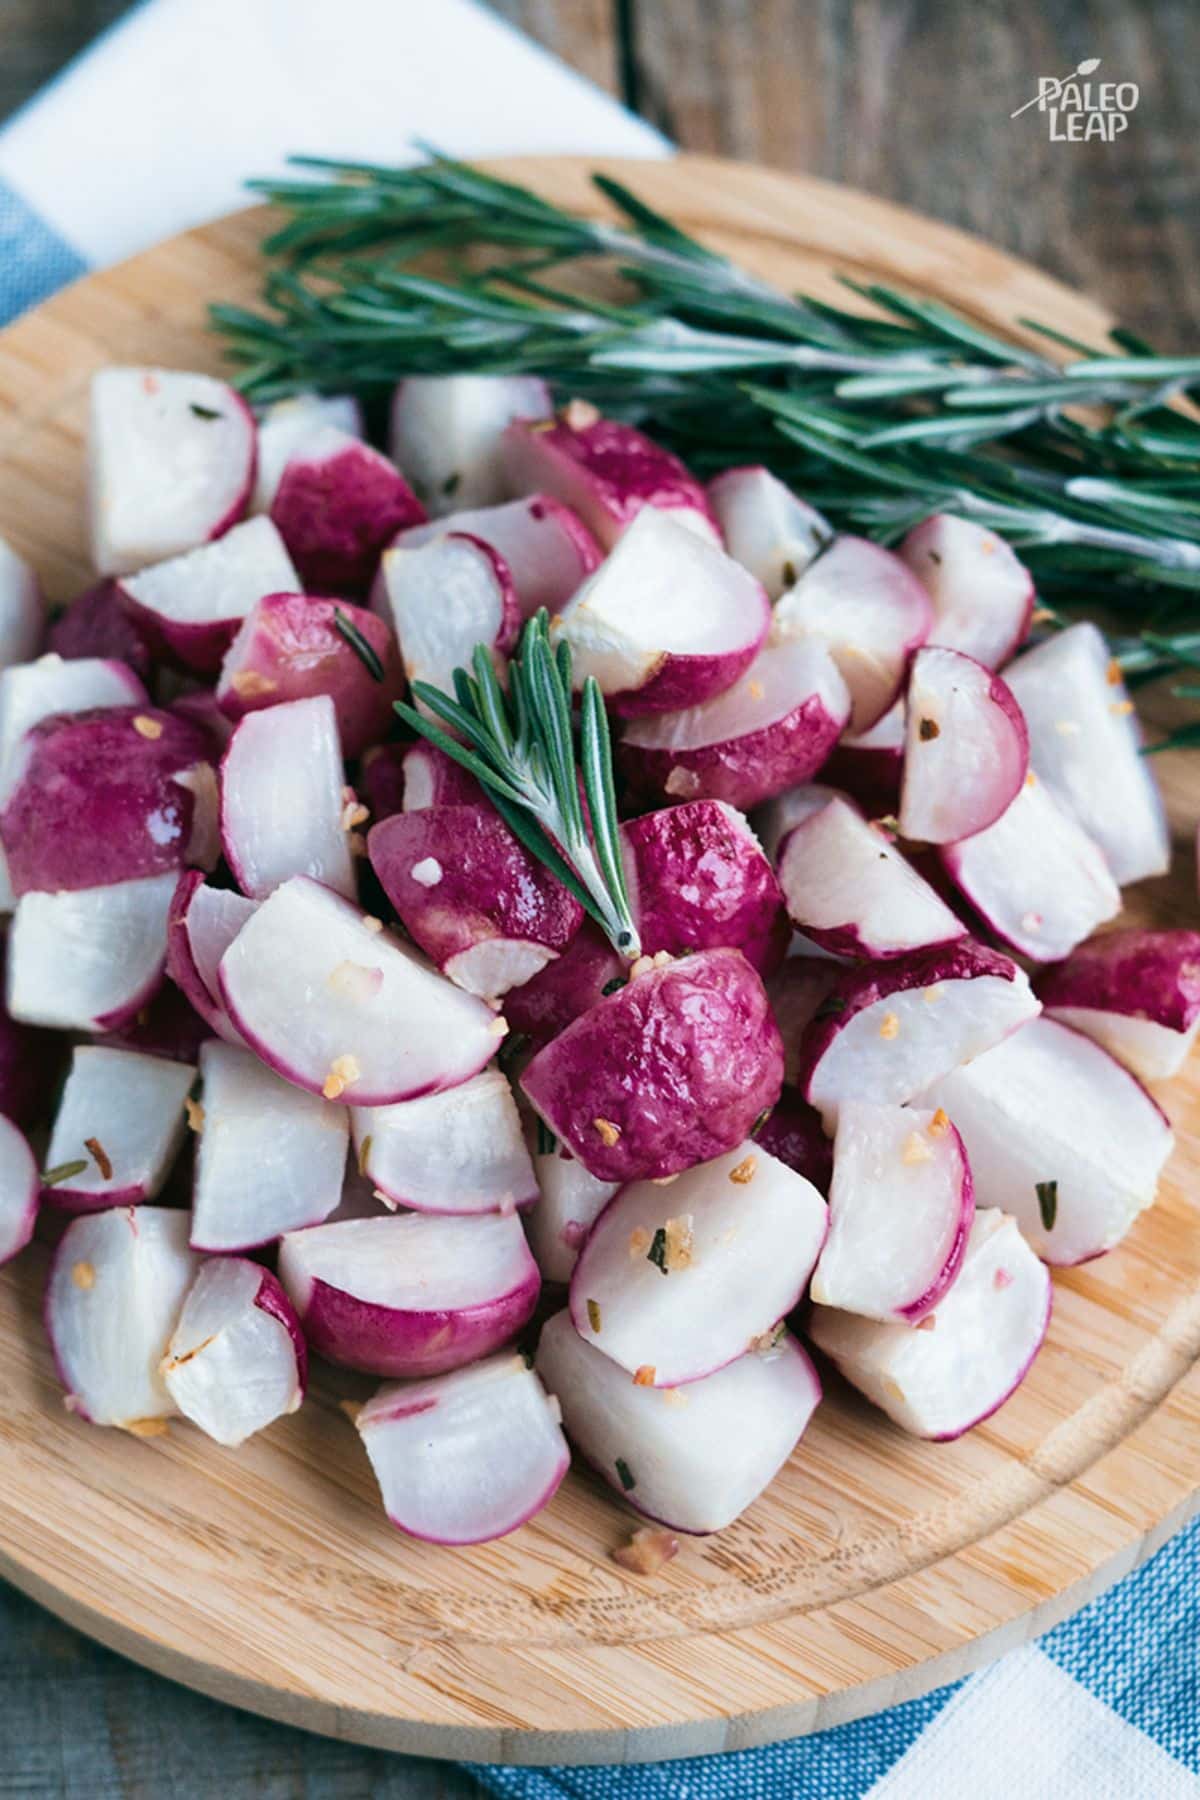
<point x="337" y="505"/>
<point x="203" y="923"/>
<point x="671" y="1070"/>
<point x="89" y="960"/>
<point x="284" y="805"/>
<point x="771" y="730"/>
<point x="1136" y="992"/>
<point x="31" y="692"/>
<point x="548" y="548"/>
<point x="667" y="1451"/>
<point x="116" y="1290"/>
<point x="667" y="621"/>
<point x="337" y="1005"/>
<point x="900" y="1212"/>
<point x="885" y="1032"/>
<point x="674" y="1282"/>
<point x="767" y="528"/>
<point x="20" y="1184"/>
<point x="412" y="1295"/>
<point x="237" y="1360"/>
<point x="189" y="608"/>
<point x="118" y="1129"/>
<point x="22" y="620"/>
<point x="447" y="432"/>
<point x="468" y="1456"/>
<point x="1060" y="1133"/>
<point x="963" y="1361"/>
<point x="444" y="598"/>
<point x="98" y="624"/>
<point x="588" y="970"/>
<point x="1085" y="744"/>
<point x="981" y="591"/>
<point x="698" y="880"/>
<point x="286" y="425"/>
<point x="269" y="1159"/>
<point x="431" y="778"/>
<point x="966" y="749"/>
<point x="170" y="464"/>
<point x="462" y="1151"/>
<point x="870" y="613"/>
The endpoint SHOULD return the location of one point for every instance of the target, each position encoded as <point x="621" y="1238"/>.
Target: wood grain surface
<point x="875" y="1567"/>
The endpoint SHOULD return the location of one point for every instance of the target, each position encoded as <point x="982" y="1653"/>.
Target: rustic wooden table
<point x="909" y="99"/>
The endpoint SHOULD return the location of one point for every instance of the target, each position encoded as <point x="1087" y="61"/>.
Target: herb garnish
<point x="1047" y="1199"/>
<point x="203" y="412"/>
<point x="63" y="1172"/>
<point x="347" y="629"/>
<point x="547" y="1143"/>
<point x="625" y="1474"/>
<point x="657" y="1253"/>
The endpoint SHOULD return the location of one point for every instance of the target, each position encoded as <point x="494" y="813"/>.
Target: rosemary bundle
<point x="1083" y="458"/>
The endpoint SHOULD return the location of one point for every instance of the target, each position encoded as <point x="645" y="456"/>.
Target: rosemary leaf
<point x="347" y="629"/>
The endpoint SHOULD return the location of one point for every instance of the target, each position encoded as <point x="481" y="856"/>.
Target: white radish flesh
<point x="444" y="598"/>
<point x="116" y="1289"/>
<point x="667" y="621"/>
<point x="465" y="1457"/>
<point x="122" y="1116"/>
<point x="1062" y="1135"/>
<point x="22" y="620"/>
<point x="667" y="1452"/>
<point x="237" y="1360"/>
<point x="1037" y="878"/>
<point x="411" y="1295"/>
<point x="785" y="811"/>
<point x="269" y="1158"/>
<point x="885" y="1032"/>
<point x="869" y="611"/>
<point x="190" y="607"/>
<point x="347" y="1011"/>
<point x="1137" y="993"/>
<point x="20" y="1184"/>
<point x="850" y="890"/>
<point x="568" y="1205"/>
<point x="203" y="923"/>
<point x="91" y="959"/>
<point x="447" y="433"/>
<point x="939" y="1379"/>
<point x="461" y="1151"/>
<point x="283" y="428"/>
<point x="170" y="464"/>
<point x="900" y="1211"/>
<point x="966" y="749"/>
<point x="768" y="529"/>
<point x="548" y="549"/>
<point x="982" y="592"/>
<point x="1085" y="744"/>
<point x="677" y="1281"/>
<point x="283" y="799"/>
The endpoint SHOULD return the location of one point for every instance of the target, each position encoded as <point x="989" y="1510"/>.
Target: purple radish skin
<point x="338" y="504"/>
<point x="869" y="767"/>
<point x="189" y="608"/>
<point x="286" y="426"/>
<point x="1137" y="993"/>
<point x="202" y="924"/>
<point x="97" y="624"/>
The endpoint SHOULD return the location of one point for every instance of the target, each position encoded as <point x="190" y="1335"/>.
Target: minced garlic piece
<point x="674" y="1396"/>
<point x="939" y="1125"/>
<point x="354" y="813"/>
<point x="248" y="684"/>
<point x="1122" y="708"/>
<point x="743" y="1174"/>
<point x="1031" y="779"/>
<point x="195" y="1114"/>
<point x="609" y="1133"/>
<point x="916" y="1149"/>
<point x="678" y="1251"/>
<point x="889" y="1025"/>
<point x="1067" y="727"/>
<point x="755" y="690"/>
<point x="83" y="1275"/>
<point x="577" y="415"/>
<point x="146" y="727"/>
<point x="928" y="1323"/>
<point x="342" y="1071"/>
<point x="644" y="1376"/>
<point x="147" y="1428"/>
<point x="593" y="1313"/>
<point x="931" y="995"/>
<point x="428" y="872"/>
<point x="647" y="1550"/>
<point x="1114" y="673"/>
<point x="373" y="924"/>
<point x="639" y="1242"/>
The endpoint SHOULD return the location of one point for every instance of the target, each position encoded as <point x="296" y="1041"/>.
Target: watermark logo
<point x="1076" y="109"/>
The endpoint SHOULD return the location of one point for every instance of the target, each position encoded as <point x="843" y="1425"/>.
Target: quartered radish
<point x="170" y="464"/>
<point x="467" y="1456"/>
<point x="118" y="1129"/>
<point x="339" y="1006"/>
<point x="1085" y="744"/>
<point x="900" y="1211"/>
<point x="22" y="620"/>
<point x="793" y="1134"/>
<point x="569" y="1203"/>
<point x="1037" y="878"/>
<point x="771" y="730"/>
<point x="431" y="778"/>
<point x="237" y="1359"/>
<point x="461" y="1151"/>
<point x="671" y="1070"/>
<point x="674" y="1282"/>
<point x="887" y="1031"/>
<point x="1137" y="993"/>
<point x="294" y="647"/>
<point x="698" y="880"/>
<point x="850" y="890"/>
<point x="605" y="471"/>
<point x="20" y="1185"/>
<point x="283" y="428"/>
<point x="471" y="896"/>
<point x="115" y="1293"/>
<point x="667" y="1452"/>
<point x="410" y="1295"/>
<point x="189" y="608"/>
<point x="97" y="624"/>
<point x="939" y="1379"/>
<point x="767" y="528"/>
<point x="667" y="620"/>
<point x="31" y="692"/>
<point x="112" y="794"/>
<point x="982" y="592"/>
<point x="88" y="960"/>
<point x="337" y="504"/>
<point x="444" y="598"/>
<point x="869" y="611"/>
<point x="284" y="809"/>
<point x="203" y="923"/>
<point x="447" y="430"/>
<point x="269" y="1158"/>
<point x="548" y="548"/>
<point x="588" y="969"/>
<point x="1061" y="1135"/>
<point x="966" y="749"/>
<point x="869" y="766"/>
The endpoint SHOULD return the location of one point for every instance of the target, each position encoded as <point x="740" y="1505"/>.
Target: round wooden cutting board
<point x="874" y="1568"/>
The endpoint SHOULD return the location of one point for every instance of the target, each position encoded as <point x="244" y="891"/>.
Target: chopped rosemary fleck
<point x="625" y="1474"/>
<point x="347" y="629"/>
<point x="99" y="1156"/>
<point x="547" y="1143"/>
<point x="203" y="412"/>
<point x="1047" y="1199"/>
<point x="63" y="1172"/>
<point x="614" y="986"/>
<point x="657" y="1253"/>
<point x="593" y="1313"/>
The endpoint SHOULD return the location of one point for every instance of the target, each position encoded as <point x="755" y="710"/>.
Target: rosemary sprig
<point x="347" y="629"/>
<point x="521" y="746"/>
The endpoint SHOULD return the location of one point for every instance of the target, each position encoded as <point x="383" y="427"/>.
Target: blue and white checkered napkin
<point x="153" y="131"/>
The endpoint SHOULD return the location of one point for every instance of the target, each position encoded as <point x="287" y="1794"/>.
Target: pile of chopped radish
<point x="346" y="1070"/>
